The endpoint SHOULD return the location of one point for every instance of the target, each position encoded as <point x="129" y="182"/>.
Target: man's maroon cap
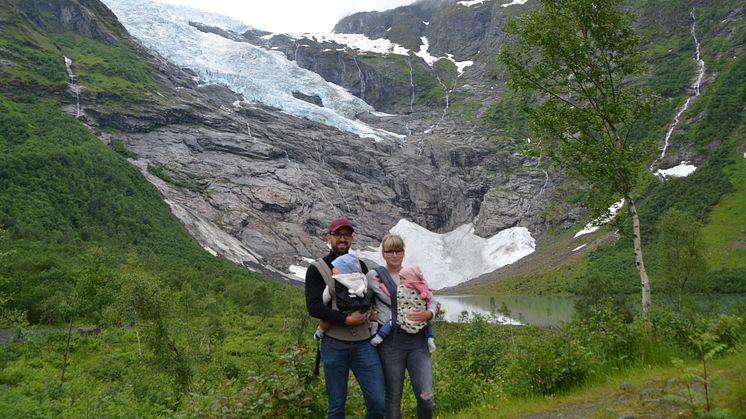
<point x="338" y="223"/>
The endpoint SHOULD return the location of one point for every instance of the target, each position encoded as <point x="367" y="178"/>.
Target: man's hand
<point x="420" y="315"/>
<point x="357" y="317"/>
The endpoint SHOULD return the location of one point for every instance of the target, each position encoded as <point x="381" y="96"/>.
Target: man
<point x="346" y="346"/>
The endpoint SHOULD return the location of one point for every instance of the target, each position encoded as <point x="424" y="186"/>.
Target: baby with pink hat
<point x="413" y="293"/>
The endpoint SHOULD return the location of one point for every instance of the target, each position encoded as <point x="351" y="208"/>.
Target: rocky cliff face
<point x="258" y="186"/>
<point x="89" y="18"/>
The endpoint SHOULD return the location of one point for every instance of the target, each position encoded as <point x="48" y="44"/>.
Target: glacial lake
<point x="542" y="310"/>
<point x="537" y="310"/>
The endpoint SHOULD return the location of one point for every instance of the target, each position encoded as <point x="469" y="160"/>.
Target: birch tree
<point x="578" y="59"/>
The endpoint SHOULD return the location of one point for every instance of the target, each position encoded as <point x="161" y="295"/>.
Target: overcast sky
<point x="290" y="16"/>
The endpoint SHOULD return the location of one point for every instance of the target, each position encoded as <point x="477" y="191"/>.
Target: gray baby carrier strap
<point x="388" y="282"/>
<point x="344" y="333"/>
<point x="399" y="338"/>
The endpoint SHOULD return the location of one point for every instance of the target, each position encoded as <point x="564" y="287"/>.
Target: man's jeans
<point x="362" y="358"/>
<point x="420" y="366"/>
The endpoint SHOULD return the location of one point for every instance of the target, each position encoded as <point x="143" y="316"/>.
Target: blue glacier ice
<point x="259" y="75"/>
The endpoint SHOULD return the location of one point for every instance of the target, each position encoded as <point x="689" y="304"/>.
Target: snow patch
<point x="361" y="42"/>
<point x="452" y="258"/>
<point x="595" y="224"/>
<point x="383" y="46"/>
<point x="513" y="3"/>
<point x="682" y="170"/>
<point x="579" y="247"/>
<point x="299" y="272"/>
<point x="477" y="2"/>
<point x="471" y="3"/>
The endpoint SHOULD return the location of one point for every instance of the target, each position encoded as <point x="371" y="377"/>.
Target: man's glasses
<point x="338" y="234"/>
<point x="394" y="252"/>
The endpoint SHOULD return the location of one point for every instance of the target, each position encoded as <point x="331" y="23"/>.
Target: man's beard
<point x="338" y="251"/>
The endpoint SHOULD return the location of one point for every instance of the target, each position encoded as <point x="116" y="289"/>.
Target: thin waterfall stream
<point x="696" y="86"/>
<point x="73" y="84"/>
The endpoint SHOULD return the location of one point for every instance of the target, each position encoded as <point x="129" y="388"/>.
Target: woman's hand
<point x="420" y="315"/>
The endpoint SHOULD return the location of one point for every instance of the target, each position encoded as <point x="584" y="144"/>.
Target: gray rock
<point x="88" y="330"/>
<point x="258" y="187"/>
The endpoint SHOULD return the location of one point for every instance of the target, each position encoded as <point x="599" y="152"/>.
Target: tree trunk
<point x="139" y="347"/>
<point x="636" y="241"/>
<point x="67" y="351"/>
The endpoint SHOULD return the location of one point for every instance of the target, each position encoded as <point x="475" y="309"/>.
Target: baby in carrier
<point x="413" y="293"/>
<point x="351" y="291"/>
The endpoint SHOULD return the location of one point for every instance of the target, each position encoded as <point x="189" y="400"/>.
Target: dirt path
<point x="651" y="399"/>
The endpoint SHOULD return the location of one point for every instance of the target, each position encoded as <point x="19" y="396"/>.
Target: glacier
<point x="259" y="75"/>
<point x="457" y="256"/>
<point x="450" y="258"/>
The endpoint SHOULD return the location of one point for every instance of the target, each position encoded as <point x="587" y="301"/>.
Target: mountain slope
<point x="257" y="186"/>
<point x="710" y="135"/>
<point x="63" y="192"/>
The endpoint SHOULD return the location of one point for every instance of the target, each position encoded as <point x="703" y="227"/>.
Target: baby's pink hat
<point x="411" y="273"/>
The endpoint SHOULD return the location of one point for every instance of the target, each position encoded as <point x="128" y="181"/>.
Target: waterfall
<point x="411" y="83"/>
<point x="700" y="61"/>
<point x="73" y="84"/>
<point x="362" y="78"/>
<point x="696" y="86"/>
<point x="447" y="93"/>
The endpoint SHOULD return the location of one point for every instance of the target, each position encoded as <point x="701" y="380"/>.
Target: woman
<point x="402" y="351"/>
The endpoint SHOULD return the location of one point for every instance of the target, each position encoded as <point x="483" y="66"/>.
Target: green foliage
<point x="588" y="111"/>
<point x="476" y="362"/>
<point x="63" y="193"/>
<point x="30" y="60"/>
<point x="191" y="182"/>
<point x="722" y="108"/>
<point x="113" y="70"/>
<point x="291" y="391"/>
<point x="9" y="317"/>
<point x="509" y="116"/>
<point x="546" y="365"/>
<point x="599" y="293"/>
<point x="476" y="350"/>
<point x="696" y="195"/>
<point x="481" y="348"/>
<point x="579" y="56"/>
<point x="263" y="303"/>
<point x="727" y="280"/>
<point x="682" y="251"/>
<point x="119" y="148"/>
<point x="723" y="233"/>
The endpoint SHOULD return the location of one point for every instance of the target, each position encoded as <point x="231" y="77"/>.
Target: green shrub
<point x="290" y="391"/>
<point x="542" y="365"/>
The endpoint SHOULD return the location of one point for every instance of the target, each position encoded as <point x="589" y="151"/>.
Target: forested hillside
<point x="710" y="135"/>
<point x="64" y="194"/>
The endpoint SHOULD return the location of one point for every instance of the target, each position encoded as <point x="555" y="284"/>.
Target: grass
<point x="725" y="234"/>
<point x="649" y="392"/>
